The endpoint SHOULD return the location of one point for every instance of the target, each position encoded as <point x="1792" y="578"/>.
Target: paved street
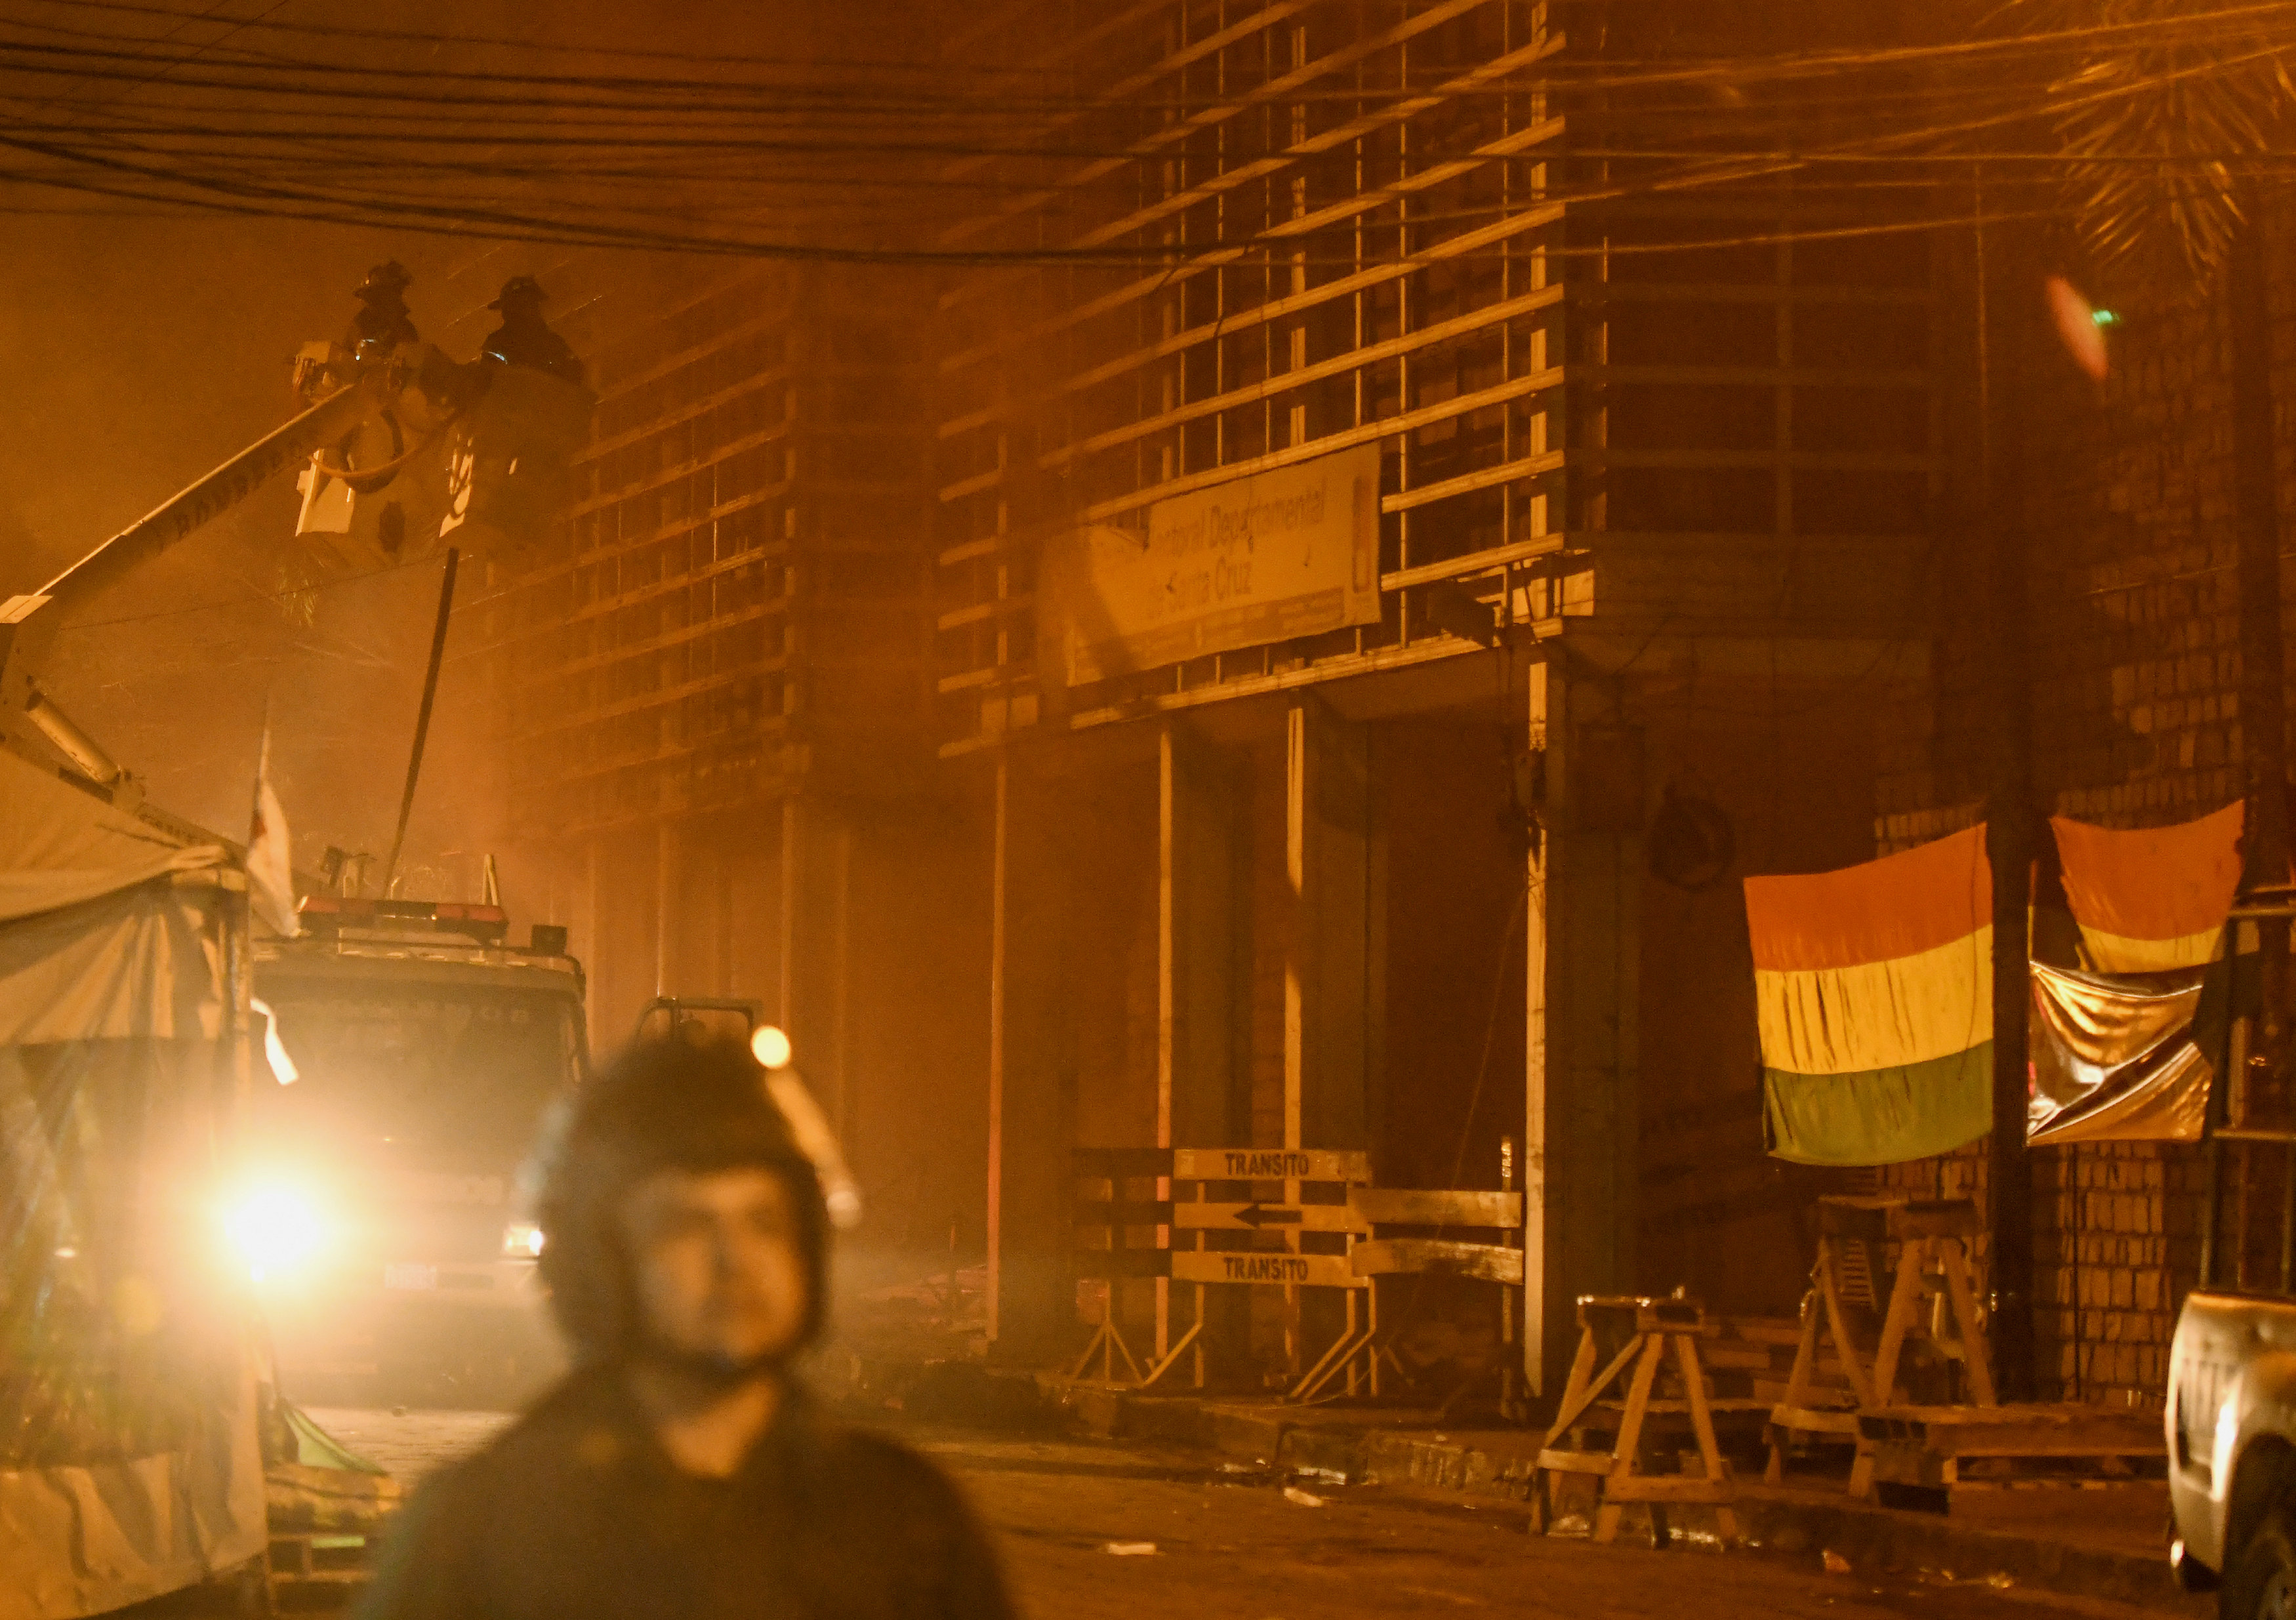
<point x="1230" y="1545"/>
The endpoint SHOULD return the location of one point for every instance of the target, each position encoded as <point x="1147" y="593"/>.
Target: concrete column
<point x="722" y="860"/>
<point x="1332" y="1005"/>
<point x="1031" y="1293"/>
<point x="1203" y="1037"/>
<point x="1581" y="1151"/>
<point x="1203" y="1032"/>
<point x="1334" y="968"/>
<point x="589" y="943"/>
<point x="816" y="907"/>
<point x="665" y="917"/>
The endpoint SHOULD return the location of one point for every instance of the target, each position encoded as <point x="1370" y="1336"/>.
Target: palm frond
<point x="2153" y="132"/>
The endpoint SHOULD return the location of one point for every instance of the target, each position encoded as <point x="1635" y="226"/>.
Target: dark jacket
<point x="576" y="1510"/>
<point x="526" y="339"/>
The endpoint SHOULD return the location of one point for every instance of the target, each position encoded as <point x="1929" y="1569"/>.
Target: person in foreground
<point x="679" y="1470"/>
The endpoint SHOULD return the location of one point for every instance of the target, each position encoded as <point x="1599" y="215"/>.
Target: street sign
<point x="1267" y="1270"/>
<point x="1270" y="1164"/>
<point x="1255" y="1217"/>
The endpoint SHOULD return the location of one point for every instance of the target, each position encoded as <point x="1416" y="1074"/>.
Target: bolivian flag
<point x="1874" y="990"/>
<point x="2154" y="899"/>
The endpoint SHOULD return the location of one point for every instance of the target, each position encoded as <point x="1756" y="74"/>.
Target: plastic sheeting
<point x="2115" y="1058"/>
<point x="129" y="1459"/>
<point x="141" y="964"/>
<point x="60" y="847"/>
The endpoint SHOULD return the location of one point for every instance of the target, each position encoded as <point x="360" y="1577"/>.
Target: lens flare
<point x="275" y="1231"/>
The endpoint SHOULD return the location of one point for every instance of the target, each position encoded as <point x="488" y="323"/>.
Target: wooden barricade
<point x="1183" y="1230"/>
<point x="1650" y="1328"/>
<point x="1443" y="1209"/>
<point x="1868" y="1343"/>
<point x="1198" y="1235"/>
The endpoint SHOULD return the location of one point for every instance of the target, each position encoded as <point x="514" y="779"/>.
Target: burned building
<point x="1646" y="482"/>
<point x="715" y="686"/>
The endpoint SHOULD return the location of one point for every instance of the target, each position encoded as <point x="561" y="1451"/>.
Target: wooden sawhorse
<point x="1931" y="1235"/>
<point x="1649" y="1328"/>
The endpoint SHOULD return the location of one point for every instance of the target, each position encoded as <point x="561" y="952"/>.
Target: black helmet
<point x="388" y="280"/>
<point x="519" y="290"/>
<point x="673" y="1103"/>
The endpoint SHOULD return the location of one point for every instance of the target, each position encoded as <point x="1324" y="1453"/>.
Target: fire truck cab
<point x="416" y="1055"/>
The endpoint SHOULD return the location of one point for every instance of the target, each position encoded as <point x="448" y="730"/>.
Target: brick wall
<point x="2116" y="1226"/>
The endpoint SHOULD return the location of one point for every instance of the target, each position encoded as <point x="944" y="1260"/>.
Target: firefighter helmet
<point x="519" y="290"/>
<point x="388" y="280"/>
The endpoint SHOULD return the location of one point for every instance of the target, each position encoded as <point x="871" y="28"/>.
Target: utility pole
<point x="2010" y="823"/>
<point x="2263" y="702"/>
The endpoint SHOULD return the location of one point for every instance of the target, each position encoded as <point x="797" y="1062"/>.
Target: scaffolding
<point x="735" y="607"/>
<point x="1363" y="225"/>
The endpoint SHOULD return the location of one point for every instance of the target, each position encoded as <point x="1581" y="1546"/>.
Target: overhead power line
<point x="859" y="161"/>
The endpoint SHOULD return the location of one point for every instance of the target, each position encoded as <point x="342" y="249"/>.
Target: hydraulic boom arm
<point x="28" y="623"/>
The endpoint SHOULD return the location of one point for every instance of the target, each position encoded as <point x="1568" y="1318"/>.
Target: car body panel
<point x="2232" y="1388"/>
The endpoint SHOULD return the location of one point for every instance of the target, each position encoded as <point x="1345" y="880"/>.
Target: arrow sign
<point x="1190" y="1215"/>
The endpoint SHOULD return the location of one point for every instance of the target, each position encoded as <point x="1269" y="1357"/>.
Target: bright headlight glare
<point x="274" y="1231"/>
<point x="522" y="1240"/>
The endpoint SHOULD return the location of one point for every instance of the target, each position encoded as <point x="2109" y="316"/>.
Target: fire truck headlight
<point x="522" y="1240"/>
<point x="274" y="1231"/>
<point x="770" y="1046"/>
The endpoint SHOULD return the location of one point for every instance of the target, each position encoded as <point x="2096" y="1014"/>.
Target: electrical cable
<point x="318" y="588"/>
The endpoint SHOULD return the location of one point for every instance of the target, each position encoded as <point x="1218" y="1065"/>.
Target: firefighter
<point x="524" y="338"/>
<point x="383" y="319"/>
<point x="680" y="1469"/>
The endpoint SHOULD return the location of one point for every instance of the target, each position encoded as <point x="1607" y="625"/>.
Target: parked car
<point x="2232" y="1451"/>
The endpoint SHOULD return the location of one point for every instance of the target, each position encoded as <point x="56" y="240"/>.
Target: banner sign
<point x="1288" y="552"/>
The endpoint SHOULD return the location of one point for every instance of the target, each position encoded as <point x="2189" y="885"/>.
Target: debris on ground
<point x="1293" y="1494"/>
<point x="1835" y="1564"/>
<point x="1129" y="1550"/>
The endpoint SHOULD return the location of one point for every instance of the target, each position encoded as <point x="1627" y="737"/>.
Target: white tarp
<point x="130" y="1466"/>
<point x="60" y="846"/>
<point x="142" y="963"/>
<point x="88" y="1540"/>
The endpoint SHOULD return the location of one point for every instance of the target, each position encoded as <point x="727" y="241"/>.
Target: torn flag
<point x="2156" y="898"/>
